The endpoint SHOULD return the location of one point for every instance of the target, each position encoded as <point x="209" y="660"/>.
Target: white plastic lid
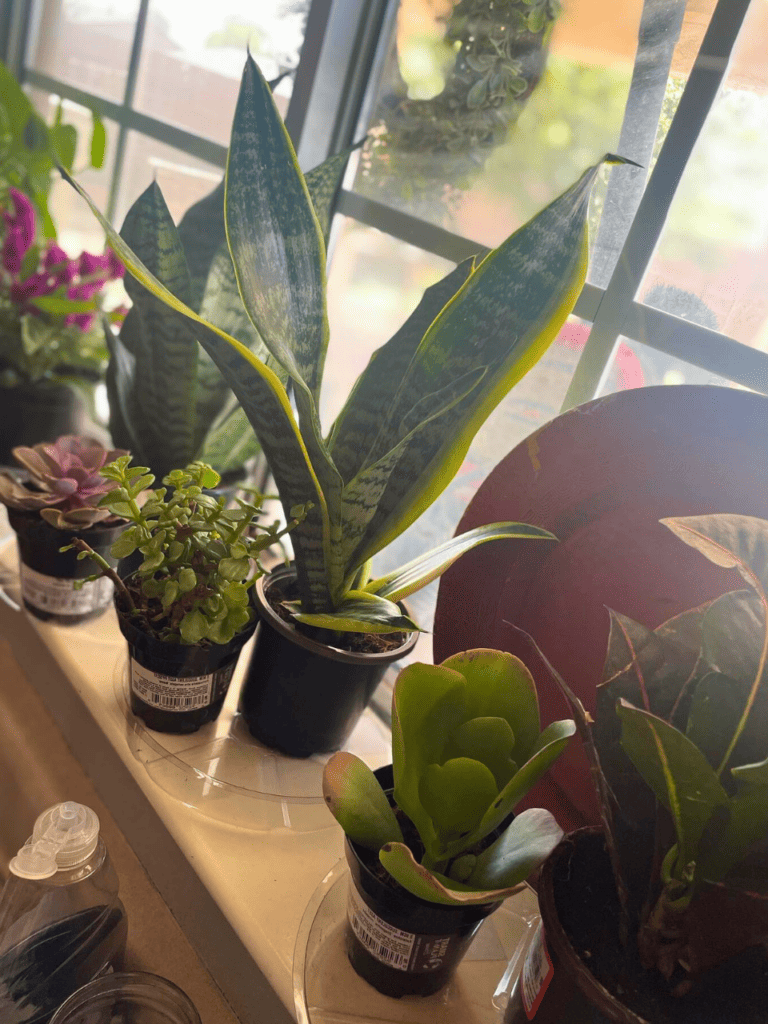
<point x="64" y="836"/>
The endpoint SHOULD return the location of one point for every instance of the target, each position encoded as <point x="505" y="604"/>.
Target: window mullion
<point x="130" y="89"/>
<point x="698" y="96"/>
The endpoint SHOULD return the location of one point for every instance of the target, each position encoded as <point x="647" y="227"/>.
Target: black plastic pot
<point x="47" y="573"/>
<point x="178" y="687"/>
<point x="596" y="980"/>
<point x="300" y="696"/>
<point x="400" y="944"/>
<point x="32" y="413"/>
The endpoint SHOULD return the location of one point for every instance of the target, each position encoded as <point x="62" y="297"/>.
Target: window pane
<point x="77" y="228"/>
<point x="183" y="179"/>
<point x="635" y="365"/>
<point x="453" y="144"/>
<point x="193" y="58"/>
<point x="711" y="265"/>
<point x="86" y="43"/>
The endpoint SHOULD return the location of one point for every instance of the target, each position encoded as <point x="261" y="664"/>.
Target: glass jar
<point x="134" y="998"/>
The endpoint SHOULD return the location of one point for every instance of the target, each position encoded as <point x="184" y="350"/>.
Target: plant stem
<point x="106" y="570"/>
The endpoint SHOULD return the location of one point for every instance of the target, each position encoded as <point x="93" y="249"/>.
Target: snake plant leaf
<point x="422" y="570"/>
<point x="504" y="316"/>
<point x="550" y="745"/>
<point x="360" y="612"/>
<point x="455" y="794"/>
<point x="230" y="441"/>
<point x="266" y="403"/>
<point x="361" y="496"/>
<point x="357" y="426"/>
<point x="359" y="804"/>
<point x="523" y="846"/>
<point x="677" y="772"/>
<point x="431" y="885"/>
<point x="161" y="389"/>
<point x="274" y="236"/>
<point x="323" y="184"/>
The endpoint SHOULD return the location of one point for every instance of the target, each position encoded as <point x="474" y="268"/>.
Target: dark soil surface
<point x="736" y="992"/>
<point x="360" y="643"/>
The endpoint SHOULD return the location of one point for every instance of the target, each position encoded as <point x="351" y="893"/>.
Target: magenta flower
<point x="57" y="263"/>
<point x="20" y="233"/>
<point x="116" y="268"/>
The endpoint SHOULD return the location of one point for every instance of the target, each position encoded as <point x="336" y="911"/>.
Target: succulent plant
<point x="412" y="414"/>
<point x="65" y="483"/>
<point x="679" y="753"/>
<point x="200" y="557"/>
<point x="467" y="746"/>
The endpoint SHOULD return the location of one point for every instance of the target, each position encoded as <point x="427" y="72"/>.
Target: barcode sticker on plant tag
<point x="58" y="596"/>
<point x="383" y="941"/>
<point x="170" y="693"/>
<point x="537" y="973"/>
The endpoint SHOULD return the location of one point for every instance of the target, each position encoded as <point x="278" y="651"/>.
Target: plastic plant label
<point x="58" y="596"/>
<point x="537" y="973"/>
<point x="405" y="951"/>
<point x="173" y="693"/>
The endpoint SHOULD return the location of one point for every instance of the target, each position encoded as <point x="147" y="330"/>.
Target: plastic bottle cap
<point x="64" y="836"/>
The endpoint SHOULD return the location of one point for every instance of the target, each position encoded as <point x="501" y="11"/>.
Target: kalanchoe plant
<point x="200" y="557"/>
<point x="412" y="414"/>
<point x="467" y="746"/>
<point x="50" y="305"/>
<point x="64" y="482"/>
<point x="679" y="754"/>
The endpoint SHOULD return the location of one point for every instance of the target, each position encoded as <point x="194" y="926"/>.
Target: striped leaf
<point x="504" y="316"/>
<point x="230" y="441"/>
<point x="267" y="406"/>
<point x="414" y="575"/>
<point x="360" y="612"/>
<point x="274" y="236"/>
<point x="323" y="184"/>
<point x="357" y="427"/>
<point x="156" y="387"/>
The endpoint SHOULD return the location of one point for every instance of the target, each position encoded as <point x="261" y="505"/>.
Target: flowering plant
<point x="50" y="304"/>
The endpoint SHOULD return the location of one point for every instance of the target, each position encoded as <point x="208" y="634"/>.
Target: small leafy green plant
<point x="679" y="754"/>
<point x="200" y="557"/>
<point x="467" y="746"/>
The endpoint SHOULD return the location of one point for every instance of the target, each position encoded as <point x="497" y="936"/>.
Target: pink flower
<point x="82" y="320"/>
<point x="13" y="249"/>
<point x="84" y="291"/>
<point x="20" y="233"/>
<point x="30" y="288"/>
<point x="59" y="264"/>
<point x="90" y="264"/>
<point x="116" y="268"/>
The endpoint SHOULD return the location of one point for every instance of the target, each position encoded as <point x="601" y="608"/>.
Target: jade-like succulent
<point x="467" y="746"/>
<point x="65" y="483"/>
<point x="679" y="751"/>
<point x="200" y="557"/>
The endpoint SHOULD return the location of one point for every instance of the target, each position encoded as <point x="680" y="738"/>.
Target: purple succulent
<point x="65" y="483"/>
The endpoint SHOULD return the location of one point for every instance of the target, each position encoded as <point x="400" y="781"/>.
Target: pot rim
<point x="606" y="1002"/>
<point x="289" y="632"/>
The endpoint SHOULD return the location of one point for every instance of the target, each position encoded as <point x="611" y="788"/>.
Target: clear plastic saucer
<point x="223" y="772"/>
<point x="328" y="991"/>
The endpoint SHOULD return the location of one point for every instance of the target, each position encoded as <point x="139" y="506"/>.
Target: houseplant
<point x="54" y="503"/>
<point x="185" y="611"/>
<point x="51" y="330"/>
<point x="169" y="404"/>
<point x="430" y="843"/>
<point x="411" y="416"/>
<point x="678" y="752"/>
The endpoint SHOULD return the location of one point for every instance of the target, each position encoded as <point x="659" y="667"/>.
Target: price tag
<point x="537" y="973"/>
<point x="173" y="693"/>
<point x="58" y="596"/>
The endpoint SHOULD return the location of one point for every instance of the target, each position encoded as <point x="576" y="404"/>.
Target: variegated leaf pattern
<point x="201" y="231"/>
<point x="266" y="404"/>
<point x="165" y="351"/>
<point x="274" y="236"/>
<point x="229" y="440"/>
<point x="360" y="612"/>
<point x="360" y="497"/>
<point x="357" y="427"/>
<point x="505" y="316"/>
<point x="323" y="184"/>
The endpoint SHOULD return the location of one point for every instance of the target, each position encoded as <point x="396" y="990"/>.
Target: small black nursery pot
<point x="400" y="944"/>
<point x="178" y="687"/>
<point x="47" y="574"/>
<point x="300" y="696"/>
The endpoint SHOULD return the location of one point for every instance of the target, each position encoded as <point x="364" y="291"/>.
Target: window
<point x="478" y="113"/>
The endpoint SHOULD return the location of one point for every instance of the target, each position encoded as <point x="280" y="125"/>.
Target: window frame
<point x="335" y="88"/>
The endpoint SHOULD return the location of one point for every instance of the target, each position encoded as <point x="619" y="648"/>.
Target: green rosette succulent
<point x="467" y="745"/>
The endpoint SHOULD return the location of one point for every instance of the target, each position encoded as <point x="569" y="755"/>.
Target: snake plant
<point x="413" y="412"/>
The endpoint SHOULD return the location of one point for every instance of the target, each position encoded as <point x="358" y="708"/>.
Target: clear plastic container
<point x="61" y="921"/>
<point x="128" y="999"/>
